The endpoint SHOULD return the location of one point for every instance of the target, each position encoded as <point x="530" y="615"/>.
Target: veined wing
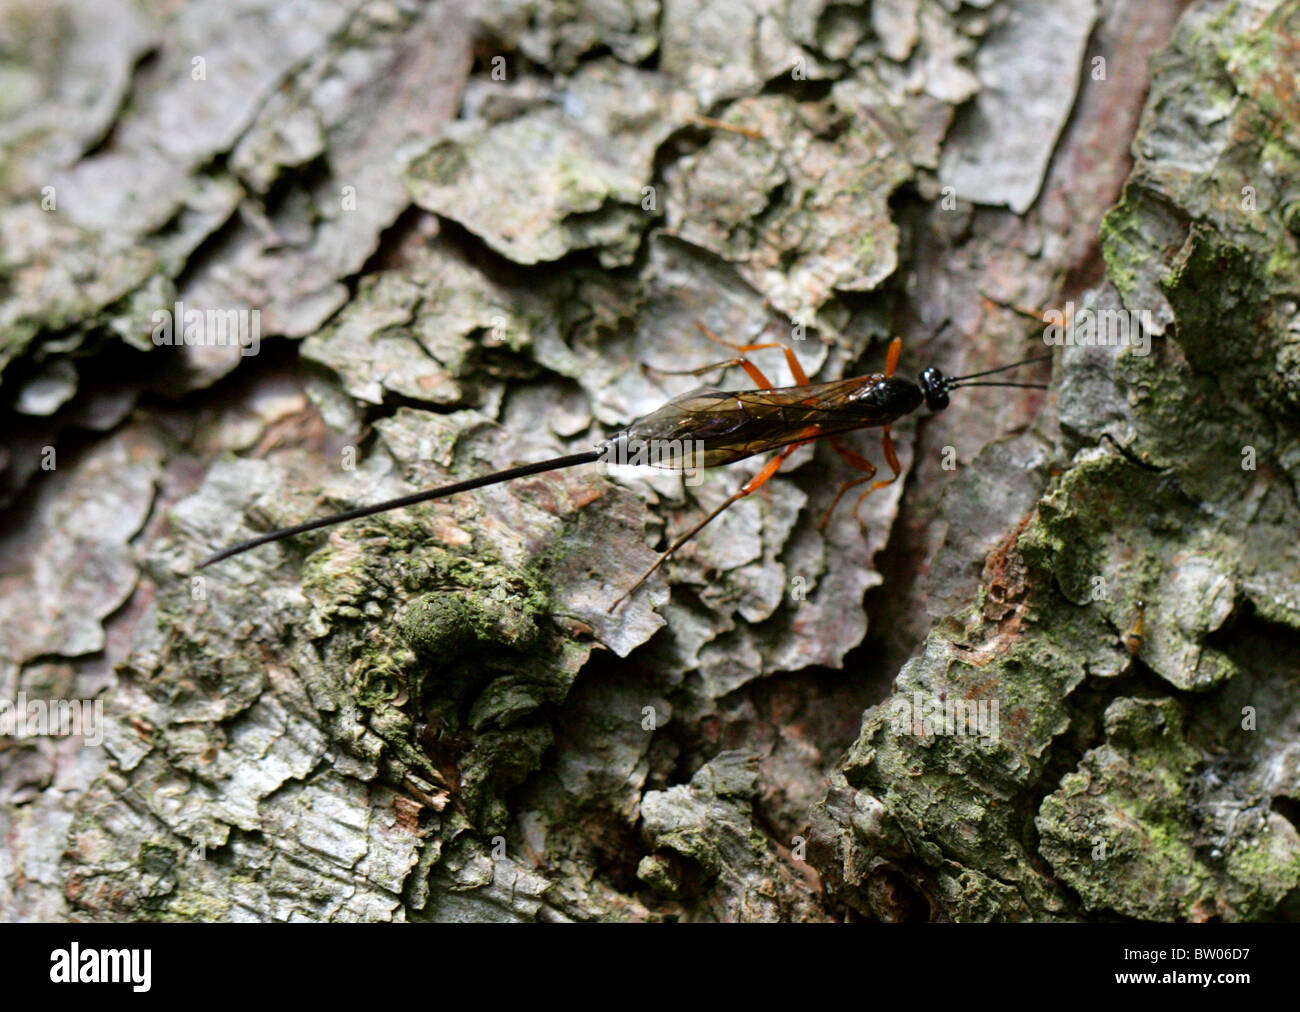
<point x="729" y="425"/>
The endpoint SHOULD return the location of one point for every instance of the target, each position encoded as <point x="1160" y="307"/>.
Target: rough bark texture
<point x="465" y="233"/>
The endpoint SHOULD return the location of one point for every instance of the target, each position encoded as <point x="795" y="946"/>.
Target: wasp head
<point x="935" y="388"/>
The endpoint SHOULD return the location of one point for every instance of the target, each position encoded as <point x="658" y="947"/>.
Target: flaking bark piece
<point x="140" y="180"/>
<point x="562" y="176"/>
<point x="1118" y="829"/>
<point x="560" y="36"/>
<point x="404" y="77"/>
<point x="71" y="564"/>
<point x="1028" y="66"/>
<point x="800" y="215"/>
<point x="722" y="50"/>
<point x="62" y="96"/>
<point x="710" y="823"/>
<point x="423" y="333"/>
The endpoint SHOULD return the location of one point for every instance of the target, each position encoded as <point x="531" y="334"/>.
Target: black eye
<point x="936" y="400"/>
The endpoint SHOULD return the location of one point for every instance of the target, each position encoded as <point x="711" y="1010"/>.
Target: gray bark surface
<point x="466" y="232"/>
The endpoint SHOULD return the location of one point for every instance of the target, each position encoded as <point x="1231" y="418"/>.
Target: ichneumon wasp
<point x="713" y="427"/>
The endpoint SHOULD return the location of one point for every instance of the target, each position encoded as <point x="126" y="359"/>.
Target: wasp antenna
<point x="1002" y="368"/>
<point x="1025" y="386"/>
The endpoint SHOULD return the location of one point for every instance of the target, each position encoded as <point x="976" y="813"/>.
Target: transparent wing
<point x="722" y="426"/>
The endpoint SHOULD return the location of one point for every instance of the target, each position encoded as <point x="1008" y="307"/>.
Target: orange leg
<point x="892" y="356"/>
<point x="862" y="464"/>
<point x="854" y="460"/>
<point x="755" y="373"/>
<point x="717" y="124"/>
<point x="796" y="370"/>
<point x="891" y="455"/>
<point x="1037" y="315"/>
<point x="749" y="488"/>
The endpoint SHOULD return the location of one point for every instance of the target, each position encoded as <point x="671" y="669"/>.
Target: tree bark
<point x="464" y="235"/>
